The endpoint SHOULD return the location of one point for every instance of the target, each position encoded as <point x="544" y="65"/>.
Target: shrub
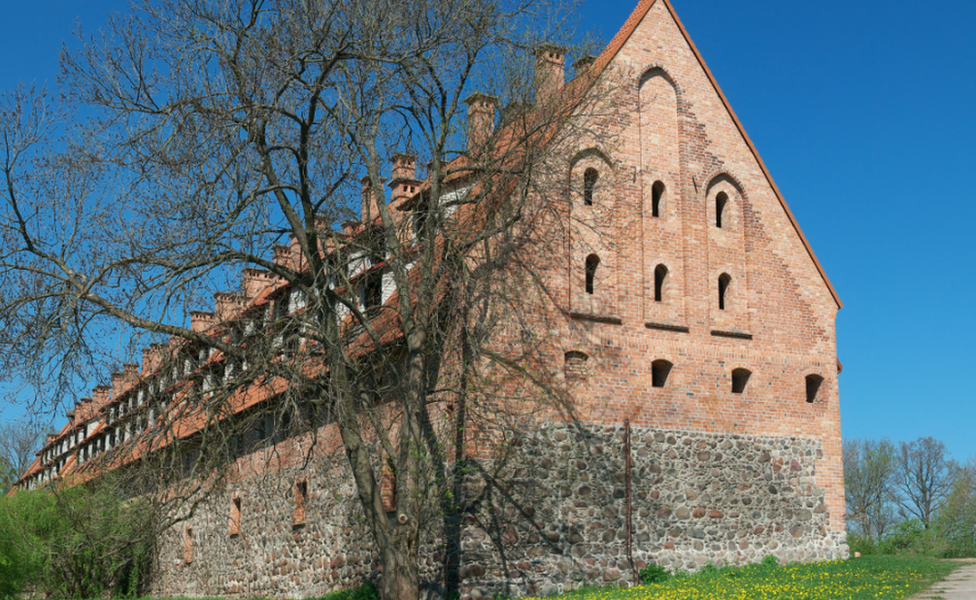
<point x="654" y="574"/>
<point x="79" y="542"/>
<point x="367" y="591"/>
<point x="769" y="561"/>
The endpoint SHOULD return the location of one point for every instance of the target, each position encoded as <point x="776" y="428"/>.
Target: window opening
<point x="589" y="183"/>
<point x="813" y="387"/>
<point x="720" y="201"/>
<point x="657" y="194"/>
<point x="373" y="290"/>
<point x="660" y="369"/>
<point x="740" y="377"/>
<point x="301" y="496"/>
<point x="592" y="262"/>
<point x="235" y="517"/>
<point x="724" y="281"/>
<point x="660" y="275"/>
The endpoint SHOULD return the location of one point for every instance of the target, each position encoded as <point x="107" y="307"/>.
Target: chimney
<point x="404" y="183"/>
<point x="152" y="358"/>
<point x="282" y="255"/>
<point x="256" y="281"/>
<point x="201" y="320"/>
<point x="350" y="227"/>
<point x="100" y="396"/>
<point x="481" y="121"/>
<point x="85" y="412"/>
<point x="370" y="210"/>
<point x="583" y="64"/>
<point x="227" y="306"/>
<point x="549" y="72"/>
<point x="123" y="380"/>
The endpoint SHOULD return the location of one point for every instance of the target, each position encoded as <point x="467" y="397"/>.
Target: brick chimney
<point x="84" y="411"/>
<point x="370" y="210"/>
<point x="122" y="381"/>
<point x="549" y="72"/>
<point x="101" y="396"/>
<point x="404" y="183"/>
<point x="201" y="320"/>
<point x="256" y="281"/>
<point x="481" y="121"/>
<point x="227" y="305"/>
<point x="152" y="358"/>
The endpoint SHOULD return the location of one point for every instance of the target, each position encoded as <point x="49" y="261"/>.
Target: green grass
<point x="872" y="577"/>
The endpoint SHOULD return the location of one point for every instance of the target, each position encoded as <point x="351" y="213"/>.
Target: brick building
<point x="692" y="323"/>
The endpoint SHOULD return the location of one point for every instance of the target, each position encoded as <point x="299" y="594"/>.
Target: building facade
<point x="696" y="330"/>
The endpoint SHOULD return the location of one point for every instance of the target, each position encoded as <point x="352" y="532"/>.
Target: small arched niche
<point x="660" y="370"/>
<point x="740" y="378"/>
<point x="814" y="383"/>
<point x="591" y="266"/>
<point x="724" y="283"/>
<point x="590" y="177"/>
<point x="721" y="200"/>
<point x="657" y="198"/>
<point x="660" y="279"/>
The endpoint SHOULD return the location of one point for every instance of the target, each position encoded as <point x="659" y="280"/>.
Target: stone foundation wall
<point x="696" y="498"/>
<point x="551" y="518"/>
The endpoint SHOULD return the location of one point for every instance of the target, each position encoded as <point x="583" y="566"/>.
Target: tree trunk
<point x="401" y="571"/>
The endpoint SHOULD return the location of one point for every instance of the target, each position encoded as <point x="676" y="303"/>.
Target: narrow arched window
<point x="740" y="377"/>
<point x="724" y="281"/>
<point x="657" y="195"/>
<point x="660" y="275"/>
<point x="813" y="387"/>
<point x="592" y="262"/>
<point x="660" y="369"/>
<point x="589" y="184"/>
<point x="720" y="201"/>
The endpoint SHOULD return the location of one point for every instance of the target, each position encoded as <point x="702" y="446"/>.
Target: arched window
<point x="813" y="387"/>
<point x="660" y="274"/>
<point x="720" y="201"/>
<point x="589" y="183"/>
<point x="740" y="377"/>
<point x="724" y="281"/>
<point x="660" y="369"/>
<point x="657" y="194"/>
<point x="592" y="262"/>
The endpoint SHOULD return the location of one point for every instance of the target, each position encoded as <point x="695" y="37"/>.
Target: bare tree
<point x="870" y="476"/>
<point x="219" y="130"/>
<point x="925" y="477"/>
<point x="18" y="442"/>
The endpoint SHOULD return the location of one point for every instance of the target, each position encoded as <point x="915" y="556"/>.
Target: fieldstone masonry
<point x="557" y="523"/>
<point x="696" y="498"/>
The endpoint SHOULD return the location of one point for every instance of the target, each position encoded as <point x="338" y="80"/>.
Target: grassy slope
<point x="887" y="577"/>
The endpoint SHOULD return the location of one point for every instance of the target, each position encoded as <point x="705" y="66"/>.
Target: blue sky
<point x="864" y="114"/>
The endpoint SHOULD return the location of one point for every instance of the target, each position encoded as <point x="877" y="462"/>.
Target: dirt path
<point x="959" y="585"/>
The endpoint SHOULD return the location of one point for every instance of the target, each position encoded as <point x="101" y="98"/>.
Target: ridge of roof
<point x="618" y="41"/>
